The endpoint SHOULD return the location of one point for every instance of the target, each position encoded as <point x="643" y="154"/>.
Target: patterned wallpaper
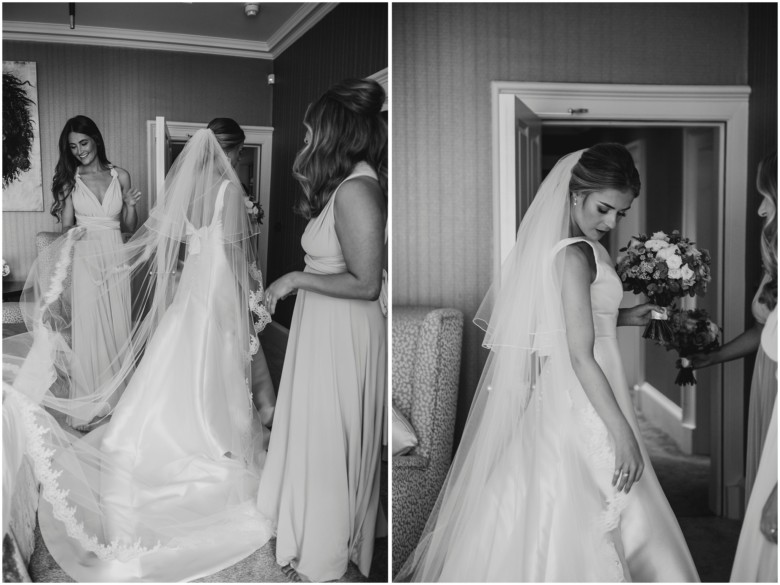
<point x="444" y="58"/>
<point x="120" y="89"/>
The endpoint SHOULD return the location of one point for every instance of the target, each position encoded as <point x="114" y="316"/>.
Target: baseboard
<point x="663" y="414"/>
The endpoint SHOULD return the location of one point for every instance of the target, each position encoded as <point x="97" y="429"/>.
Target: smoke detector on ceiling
<point x="251" y="8"/>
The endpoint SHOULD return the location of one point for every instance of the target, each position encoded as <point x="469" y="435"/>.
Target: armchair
<point x="426" y="367"/>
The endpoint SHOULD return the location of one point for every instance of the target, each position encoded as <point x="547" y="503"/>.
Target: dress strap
<point x="566" y="242"/>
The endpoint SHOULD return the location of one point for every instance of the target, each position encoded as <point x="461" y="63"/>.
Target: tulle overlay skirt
<point x="180" y="459"/>
<point x="320" y="485"/>
<point x="548" y="511"/>
<point x="100" y="311"/>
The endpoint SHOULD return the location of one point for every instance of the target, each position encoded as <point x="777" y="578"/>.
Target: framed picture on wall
<point x="22" y="184"/>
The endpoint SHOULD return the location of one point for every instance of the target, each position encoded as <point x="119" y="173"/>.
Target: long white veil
<point x="40" y="367"/>
<point x="527" y="390"/>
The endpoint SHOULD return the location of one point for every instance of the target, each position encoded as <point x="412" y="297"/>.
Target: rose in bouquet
<point x="253" y="209"/>
<point x="663" y="267"/>
<point x="692" y="332"/>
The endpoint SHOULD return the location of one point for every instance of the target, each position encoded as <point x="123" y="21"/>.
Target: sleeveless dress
<point x="184" y="444"/>
<point x="100" y="308"/>
<point x="756" y="558"/>
<point x="533" y="529"/>
<point x="763" y="390"/>
<point x="320" y="486"/>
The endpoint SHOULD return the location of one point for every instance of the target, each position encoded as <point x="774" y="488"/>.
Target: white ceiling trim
<point x="295" y="27"/>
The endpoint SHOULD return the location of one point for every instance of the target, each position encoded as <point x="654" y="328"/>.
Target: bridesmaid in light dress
<point x="763" y="387"/>
<point x="320" y="485"/>
<point x="95" y="197"/>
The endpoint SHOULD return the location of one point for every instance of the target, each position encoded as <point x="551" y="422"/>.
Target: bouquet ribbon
<point x="685" y="375"/>
<point x="658" y="330"/>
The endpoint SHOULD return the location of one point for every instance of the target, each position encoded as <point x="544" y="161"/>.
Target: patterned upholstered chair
<point x="426" y="367"/>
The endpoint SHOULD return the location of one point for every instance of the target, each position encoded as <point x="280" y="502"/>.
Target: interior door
<point x="162" y="155"/>
<point x="518" y="174"/>
<point x="528" y="142"/>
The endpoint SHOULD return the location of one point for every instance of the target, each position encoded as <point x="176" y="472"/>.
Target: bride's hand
<point x="629" y="464"/>
<point x="278" y="290"/>
<point x="638" y="315"/>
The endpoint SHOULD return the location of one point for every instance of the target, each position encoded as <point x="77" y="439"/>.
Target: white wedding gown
<point x="185" y="446"/>
<point x="548" y="512"/>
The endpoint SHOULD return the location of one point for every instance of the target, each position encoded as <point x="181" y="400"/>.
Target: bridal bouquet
<point x="692" y="332"/>
<point x="663" y="267"/>
<point x="253" y="209"/>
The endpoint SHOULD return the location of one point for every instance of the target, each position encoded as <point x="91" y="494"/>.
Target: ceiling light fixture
<point x="251" y="8"/>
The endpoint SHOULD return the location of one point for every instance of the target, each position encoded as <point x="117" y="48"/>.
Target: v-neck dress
<point x="100" y="303"/>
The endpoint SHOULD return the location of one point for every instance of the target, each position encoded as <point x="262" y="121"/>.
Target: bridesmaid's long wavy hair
<point x="346" y="127"/>
<point x="766" y="183"/>
<point x="65" y="171"/>
<point x="605" y="166"/>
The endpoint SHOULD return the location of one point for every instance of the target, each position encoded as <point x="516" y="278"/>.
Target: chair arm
<point x="410" y="462"/>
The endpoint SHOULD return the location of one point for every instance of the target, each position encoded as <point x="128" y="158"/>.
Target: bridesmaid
<point x="763" y="387"/>
<point x="320" y="485"/>
<point x="97" y="198"/>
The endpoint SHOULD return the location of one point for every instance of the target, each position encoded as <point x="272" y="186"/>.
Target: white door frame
<point x="654" y="104"/>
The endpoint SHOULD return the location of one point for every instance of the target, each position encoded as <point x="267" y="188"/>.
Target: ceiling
<point x="204" y="27"/>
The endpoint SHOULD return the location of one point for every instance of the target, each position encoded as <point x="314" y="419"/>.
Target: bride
<point x="551" y="481"/>
<point x="165" y="491"/>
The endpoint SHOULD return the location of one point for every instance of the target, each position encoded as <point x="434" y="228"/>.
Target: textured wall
<point x="444" y="58"/>
<point x="121" y="89"/>
<point x="351" y="41"/>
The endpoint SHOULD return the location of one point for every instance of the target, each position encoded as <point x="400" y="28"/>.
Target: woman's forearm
<point x="129" y="218"/>
<point x="344" y="286"/>
<point x="742" y="345"/>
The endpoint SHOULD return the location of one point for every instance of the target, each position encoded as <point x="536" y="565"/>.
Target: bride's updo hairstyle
<point x="65" y="172"/>
<point x="605" y="166"/>
<point x="229" y="134"/>
<point x="346" y="127"/>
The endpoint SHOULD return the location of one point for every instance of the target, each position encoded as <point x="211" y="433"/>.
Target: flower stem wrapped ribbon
<point x="693" y="333"/>
<point x="664" y="268"/>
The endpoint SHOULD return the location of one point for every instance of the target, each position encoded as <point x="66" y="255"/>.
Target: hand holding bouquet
<point x="693" y="332"/>
<point x="663" y="267"/>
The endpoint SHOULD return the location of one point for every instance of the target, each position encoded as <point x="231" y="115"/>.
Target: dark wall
<point x="351" y="41"/>
<point x="120" y="89"/>
<point x="762" y="136"/>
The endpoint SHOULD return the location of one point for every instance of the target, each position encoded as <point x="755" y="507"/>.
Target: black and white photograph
<point x="195" y="323"/>
<point x="584" y="290"/>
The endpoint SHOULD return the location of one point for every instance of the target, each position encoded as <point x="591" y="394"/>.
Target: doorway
<point x="521" y="111"/>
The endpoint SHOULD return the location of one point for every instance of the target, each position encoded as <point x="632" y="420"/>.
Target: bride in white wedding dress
<point x="165" y="490"/>
<point x="551" y="481"/>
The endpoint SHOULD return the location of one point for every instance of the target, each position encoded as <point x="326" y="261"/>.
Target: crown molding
<point x="295" y="27"/>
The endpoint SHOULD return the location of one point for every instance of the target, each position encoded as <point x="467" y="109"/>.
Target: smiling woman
<point x="96" y="199"/>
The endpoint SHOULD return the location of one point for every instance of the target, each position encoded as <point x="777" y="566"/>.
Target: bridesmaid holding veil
<point x="320" y="486"/>
<point x="96" y="198"/>
<point x="166" y="490"/>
